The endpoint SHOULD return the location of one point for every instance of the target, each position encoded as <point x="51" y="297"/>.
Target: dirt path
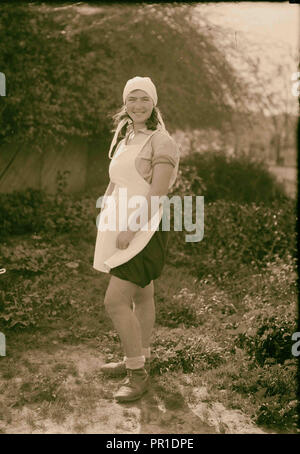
<point x="83" y="401"/>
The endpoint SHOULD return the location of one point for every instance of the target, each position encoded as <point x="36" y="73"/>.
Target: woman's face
<point x="139" y="106"/>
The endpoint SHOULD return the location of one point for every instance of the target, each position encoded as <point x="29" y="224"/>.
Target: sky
<point x="267" y="30"/>
<point x="270" y="21"/>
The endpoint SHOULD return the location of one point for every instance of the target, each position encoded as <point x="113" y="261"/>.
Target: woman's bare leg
<point x="118" y="302"/>
<point x="144" y="309"/>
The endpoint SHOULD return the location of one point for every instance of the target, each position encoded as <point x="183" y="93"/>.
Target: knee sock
<point x="146" y="352"/>
<point x="136" y="362"/>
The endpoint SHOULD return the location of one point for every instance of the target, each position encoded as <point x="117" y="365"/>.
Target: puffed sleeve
<point x="165" y="149"/>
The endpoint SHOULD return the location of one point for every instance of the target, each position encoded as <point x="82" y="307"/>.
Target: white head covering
<point x="140" y="83"/>
<point x="137" y="83"/>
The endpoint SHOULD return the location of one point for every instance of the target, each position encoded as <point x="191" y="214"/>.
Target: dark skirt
<point x="148" y="264"/>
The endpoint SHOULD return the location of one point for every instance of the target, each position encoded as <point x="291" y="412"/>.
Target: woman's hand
<point x="124" y="238"/>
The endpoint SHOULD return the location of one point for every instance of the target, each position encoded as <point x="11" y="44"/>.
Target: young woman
<point x="145" y="163"/>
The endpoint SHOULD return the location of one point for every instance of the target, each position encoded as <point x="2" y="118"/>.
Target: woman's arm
<point x="161" y="176"/>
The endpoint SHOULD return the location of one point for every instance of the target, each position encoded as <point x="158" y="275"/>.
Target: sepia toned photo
<point x="148" y="219"/>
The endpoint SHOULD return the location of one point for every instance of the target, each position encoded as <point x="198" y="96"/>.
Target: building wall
<point x="87" y="162"/>
<point x="19" y="168"/>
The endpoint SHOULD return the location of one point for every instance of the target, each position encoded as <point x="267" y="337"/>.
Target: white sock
<point x="135" y="362"/>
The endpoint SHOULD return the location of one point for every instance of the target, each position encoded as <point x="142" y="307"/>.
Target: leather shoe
<point x="134" y="386"/>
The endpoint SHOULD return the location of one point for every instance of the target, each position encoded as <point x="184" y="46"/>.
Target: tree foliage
<point x="66" y="66"/>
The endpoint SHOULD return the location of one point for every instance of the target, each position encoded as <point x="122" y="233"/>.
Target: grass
<point x="50" y="380"/>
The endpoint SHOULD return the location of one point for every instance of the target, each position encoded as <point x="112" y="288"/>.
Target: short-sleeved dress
<point x="131" y="168"/>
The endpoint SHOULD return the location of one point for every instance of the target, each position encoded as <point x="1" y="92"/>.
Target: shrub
<point x="22" y="211"/>
<point x="51" y="104"/>
<point x="271" y="334"/>
<point x="218" y="176"/>
<point x="276" y="414"/>
<point x="272" y="388"/>
<point x="247" y="217"/>
<point x="33" y="211"/>
<point x="236" y="234"/>
<point x="70" y="215"/>
<point x="280" y="406"/>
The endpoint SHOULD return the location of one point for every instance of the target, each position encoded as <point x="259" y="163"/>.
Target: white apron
<point x="123" y="172"/>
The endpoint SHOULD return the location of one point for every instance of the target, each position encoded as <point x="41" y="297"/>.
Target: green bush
<point x="70" y="215"/>
<point x="64" y="49"/>
<point x="247" y="217"/>
<point x="33" y="211"/>
<point x="278" y="415"/>
<point x="236" y="234"/>
<point x="22" y="211"/>
<point x="271" y="334"/>
<point x="272" y="388"/>
<point x="280" y="407"/>
<point x="217" y="176"/>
